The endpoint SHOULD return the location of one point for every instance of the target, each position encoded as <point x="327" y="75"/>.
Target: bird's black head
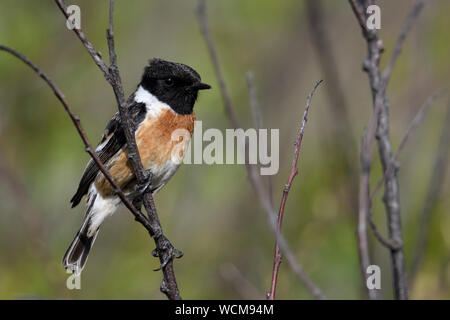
<point x="175" y="84"/>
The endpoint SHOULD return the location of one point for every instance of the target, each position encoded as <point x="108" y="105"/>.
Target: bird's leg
<point x="167" y="252"/>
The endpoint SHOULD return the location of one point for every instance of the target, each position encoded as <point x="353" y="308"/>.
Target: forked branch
<point x="112" y="75"/>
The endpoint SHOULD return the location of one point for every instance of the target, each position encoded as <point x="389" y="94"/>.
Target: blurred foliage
<point x="211" y="212"/>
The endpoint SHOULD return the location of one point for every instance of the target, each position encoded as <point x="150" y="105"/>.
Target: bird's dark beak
<point x="201" y="86"/>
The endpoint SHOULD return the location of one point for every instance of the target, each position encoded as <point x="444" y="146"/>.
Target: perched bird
<point x="163" y="102"/>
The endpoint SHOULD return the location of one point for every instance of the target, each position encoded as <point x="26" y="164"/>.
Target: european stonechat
<point x="163" y="102"/>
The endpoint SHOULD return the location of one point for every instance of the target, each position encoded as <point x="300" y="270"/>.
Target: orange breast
<point x="155" y="144"/>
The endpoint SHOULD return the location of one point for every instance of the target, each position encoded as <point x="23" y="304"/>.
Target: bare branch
<point x="96" y="56"/>
<point x="366" y="156"/>
<point x="163" y="246"/>
<point x="76" y="121"/>
<point x="363" y="242"/>
<point x="418" y="118"/>
<point x="112" y="75"/>
<point x="388" y="243"/>
<point x="253" y="176"/>
<point x="294" y="171"/>
<point x="380" y="102"/>
<point x="358" y="10"/>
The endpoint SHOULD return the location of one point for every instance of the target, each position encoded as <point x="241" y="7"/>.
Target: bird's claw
<point x="173" y="253"/>
<point x="144" y="188"/>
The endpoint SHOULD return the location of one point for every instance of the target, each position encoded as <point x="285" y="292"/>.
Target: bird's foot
<point x="143" y="188"/>
<point x="167" y="253"/>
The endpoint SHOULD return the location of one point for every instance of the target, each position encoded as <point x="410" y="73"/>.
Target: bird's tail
<point x="76" y="255"/>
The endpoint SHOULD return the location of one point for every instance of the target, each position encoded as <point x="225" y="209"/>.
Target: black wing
<point x="112" y="141"/>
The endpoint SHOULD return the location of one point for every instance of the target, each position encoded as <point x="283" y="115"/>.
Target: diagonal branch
<point x="96" y="56"/>
<point x="112" y="75"/>
<point x="253" y="176"/>
<point x="76" y="121"/>
<point x="412" y="17"/>
<point x="418" y="118"/>
<point x="294" y="171"/>
<point x="411" y="128"/>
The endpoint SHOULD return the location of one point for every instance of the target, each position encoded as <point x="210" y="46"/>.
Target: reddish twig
<point x="294" y="171"/>
<point x="253" y="176"/>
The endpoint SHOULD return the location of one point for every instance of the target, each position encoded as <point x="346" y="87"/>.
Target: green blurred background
<point x="211" y="212"/>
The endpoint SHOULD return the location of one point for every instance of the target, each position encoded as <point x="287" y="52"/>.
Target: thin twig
<point x="364" y="211"/>
<point x="366" y="156"/>
<point x="169" y="285"/>
<point x="411" y="128"/>
<point x="378" y="85"/>
<point x="412" y="17"/>
<point x="440" y="167"/>
<point x="294" y="171"/>
<point x="96" y="56"/>
<point x="112" y="75"/>
<point x="88" y="148"/>
<point x="417" y="120"/>
<point x="388" y="243"/>
<point x="345" y="147"/>
<point x="253" y="176"/>
<point x="358" y="10"/>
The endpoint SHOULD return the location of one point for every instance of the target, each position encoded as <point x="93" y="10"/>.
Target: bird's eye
<point x="169" y="82"/>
